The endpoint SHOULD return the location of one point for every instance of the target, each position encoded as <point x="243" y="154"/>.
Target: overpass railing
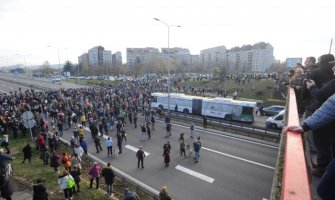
<point x="291" y="180"/>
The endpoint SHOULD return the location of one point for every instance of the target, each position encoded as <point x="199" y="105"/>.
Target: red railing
<point x="295" y="185"/>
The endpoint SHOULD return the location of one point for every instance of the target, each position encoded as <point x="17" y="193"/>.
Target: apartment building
<point x="254" y="58"/>
<point x="96" y="56"/>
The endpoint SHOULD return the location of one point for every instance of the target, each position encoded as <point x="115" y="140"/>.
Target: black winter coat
<point x="40" y="192"/>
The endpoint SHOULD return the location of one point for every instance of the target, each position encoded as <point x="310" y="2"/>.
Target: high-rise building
<point x="97" y="56"/>
<point x="253" y="58"/>
<point x="117" y="58"/>
<point x="140" y="56"/>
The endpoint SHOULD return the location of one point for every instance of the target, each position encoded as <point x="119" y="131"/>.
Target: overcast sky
<point x="295" y="28"/>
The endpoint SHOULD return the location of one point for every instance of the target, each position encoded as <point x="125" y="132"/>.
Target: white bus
<point x="56" y="80"/>
<point x="225" y="108"/>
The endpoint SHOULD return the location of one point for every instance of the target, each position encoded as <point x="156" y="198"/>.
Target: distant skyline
<point x="295" y="28"/>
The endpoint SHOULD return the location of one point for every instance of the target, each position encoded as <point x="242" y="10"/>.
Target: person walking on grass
<point x="39" y="190"/>
<point x="75" y="173"/>
<point x="63" y="184"/>
<point x="108" y="174"/>
<point x="27" y="153"/>
<point x="54" y="161"/>
<point x="94" y="172"/>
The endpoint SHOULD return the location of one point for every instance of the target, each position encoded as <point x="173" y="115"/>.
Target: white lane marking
<point x="238" y="158"/>
<point x="104" y="136"/>
<point x="265" y="199"/>
<point x="196" y="174"/>
<point x="135" y="149"/>
<point x="231" y="137"/>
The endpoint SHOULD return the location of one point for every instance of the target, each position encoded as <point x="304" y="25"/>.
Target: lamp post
<point x="169" y="74"/>
<point x="59" y="68"/>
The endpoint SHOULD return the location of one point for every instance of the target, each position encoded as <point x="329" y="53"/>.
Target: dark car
<point x="272" y="110"/>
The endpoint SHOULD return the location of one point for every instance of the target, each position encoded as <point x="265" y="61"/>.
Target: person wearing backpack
<point x="66" y="183"/>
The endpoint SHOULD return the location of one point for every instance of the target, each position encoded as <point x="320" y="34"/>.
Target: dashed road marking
<point x="195" y="174"/>
<point x="135" y="149"/>
<point x="238" y="158"/>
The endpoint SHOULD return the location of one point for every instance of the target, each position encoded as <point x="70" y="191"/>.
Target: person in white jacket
<point x="78" y="150"/>
<point x="63" y="184"/>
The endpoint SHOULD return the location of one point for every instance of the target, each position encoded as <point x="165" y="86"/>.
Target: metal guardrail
<point x="138" y="185"/>
<point x="217" y="123"/>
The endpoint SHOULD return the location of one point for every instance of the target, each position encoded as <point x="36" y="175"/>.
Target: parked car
<point x="272" y="110"/>
<point x="277" y="121"/>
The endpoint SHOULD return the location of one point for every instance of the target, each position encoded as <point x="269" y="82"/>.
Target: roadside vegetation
<point x="28" y="173"/>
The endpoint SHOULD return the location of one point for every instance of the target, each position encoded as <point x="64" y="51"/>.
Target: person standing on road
<point x="140" y="157"/>
<point x="166" y="155"/>
<point x="192" y="127"/>
<point x="135" y="120"/>
<point x="109" y="145"/>
<point x="119" y="141"/>
<point x="108" y="174"/>
<point x="97" y="143"/>
<point x="197" y="147"/>
<point x="153" y="121"/>
<point x="168" y="130"/>
<point x="182" y="149"/>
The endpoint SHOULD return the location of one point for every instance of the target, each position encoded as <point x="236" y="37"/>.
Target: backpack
<point x="70" y="183"/>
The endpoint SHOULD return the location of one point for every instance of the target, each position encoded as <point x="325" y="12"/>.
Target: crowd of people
<point x="108" y="108"/>
<point x="101" y="109"/>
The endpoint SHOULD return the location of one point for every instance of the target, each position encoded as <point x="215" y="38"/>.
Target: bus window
<point x="154" y="99"/>
<point x="247" y="111"/>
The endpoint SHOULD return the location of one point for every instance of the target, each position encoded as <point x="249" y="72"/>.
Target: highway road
<point x="230" y="167"/>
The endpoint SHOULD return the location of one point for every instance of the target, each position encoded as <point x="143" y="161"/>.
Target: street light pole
<point x="169" y="74"/>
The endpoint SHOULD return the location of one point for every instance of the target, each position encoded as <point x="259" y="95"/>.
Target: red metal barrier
<point x="295" y="185"/>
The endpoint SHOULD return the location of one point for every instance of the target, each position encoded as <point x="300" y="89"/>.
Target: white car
<point x="276" y="121"/>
